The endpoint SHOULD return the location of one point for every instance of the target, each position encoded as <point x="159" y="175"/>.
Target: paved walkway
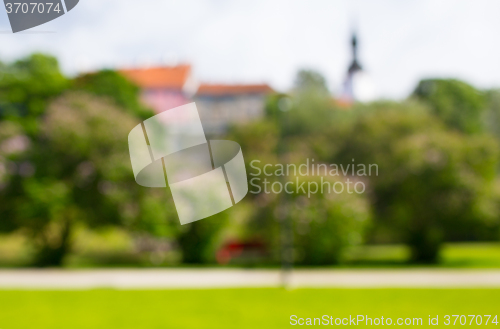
<point x="231" y="278"/>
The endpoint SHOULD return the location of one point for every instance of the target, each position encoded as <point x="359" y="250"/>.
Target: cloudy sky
<point x="269" y="40"/>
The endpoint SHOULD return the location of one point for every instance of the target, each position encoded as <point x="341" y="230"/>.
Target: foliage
<point x="77" y="170"/>
<point x="311" y="81"/>
<point x="111" y="84"/>
<point x="64" y="162"/>
<point x="492" y="117"/>
<point x="27" y="86"/>
<point x="197" y="241"/>
<point x="324" y="224"/>
<point x="457" y="103"/>
<point x="311" y="109"/>
<point x="434" y="184"/>
<point x="68" y="163"/>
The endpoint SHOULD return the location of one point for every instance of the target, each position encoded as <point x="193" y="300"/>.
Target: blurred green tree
<point x="76" y="170"/>
<point x="458" y="104"/>
<point x="111" y="84"/>
<point x="198" y="241"/>
<point x="324" y="225"/>
<point x="310" y="81"/>
<point x="27" y="86"/>
<point x="492" y="117"/>
<point x="433" y="183"/>
<point x="310" y="109"/>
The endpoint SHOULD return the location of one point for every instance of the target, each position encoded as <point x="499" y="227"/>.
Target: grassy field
<point x="453" y="255"/>
<point x="238" y="308"/>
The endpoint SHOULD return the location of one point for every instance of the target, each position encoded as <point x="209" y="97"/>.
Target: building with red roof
<point x="219" y="105"/>
<point x="164" y="87"/>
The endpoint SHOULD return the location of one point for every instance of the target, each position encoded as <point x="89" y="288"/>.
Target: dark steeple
<point x="354" y="67"/>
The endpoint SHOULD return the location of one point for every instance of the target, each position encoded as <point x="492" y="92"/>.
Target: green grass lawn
<point x="232" y="308"/>
<point x="470" y="255"/>
<point x="453" y="255"/>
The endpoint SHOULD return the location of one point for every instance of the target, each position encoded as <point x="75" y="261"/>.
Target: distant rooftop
<point x="178" y="77"/>
<point x="233" y="89"/>
<point x="159" y="77"/>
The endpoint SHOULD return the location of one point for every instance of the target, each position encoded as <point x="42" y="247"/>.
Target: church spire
<point x="354" y="67"/>
<point x="357" y="84"/>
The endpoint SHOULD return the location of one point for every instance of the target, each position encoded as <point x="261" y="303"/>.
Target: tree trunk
<point x="52" y="255"/>
<point x="425" y="245"/>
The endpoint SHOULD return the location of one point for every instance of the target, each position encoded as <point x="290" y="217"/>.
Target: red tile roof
<point x="227" y="89"/>
<point x="159" y="77"/>
<point x="175" y="77"/>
